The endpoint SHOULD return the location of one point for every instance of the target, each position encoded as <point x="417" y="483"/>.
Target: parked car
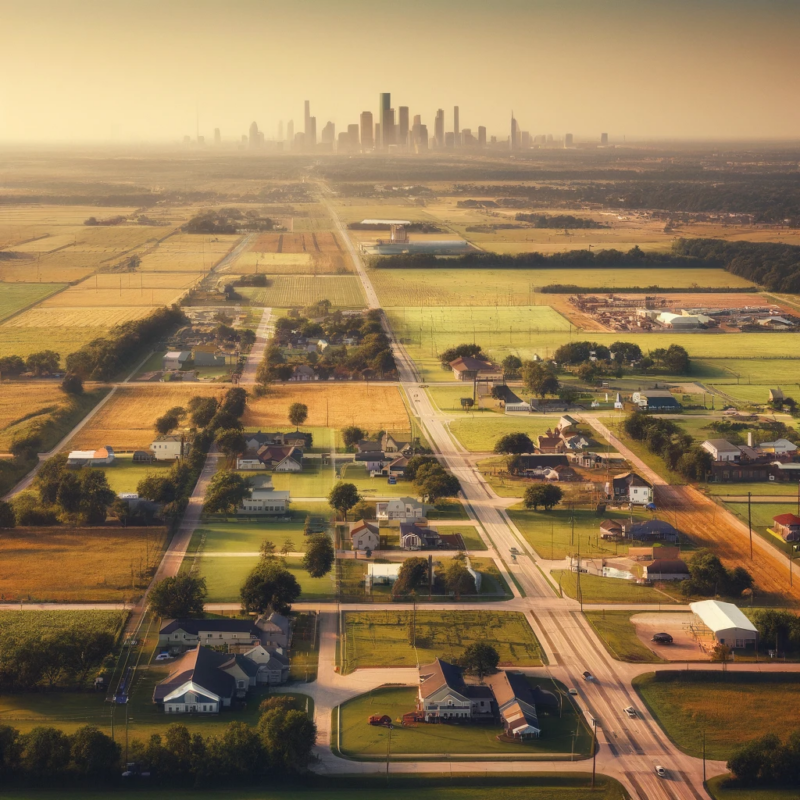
<point x="392" y="481"/>
<point x="163" y="656"/>
<point x="587" y="676"/>
<point x="661" y="772"/>
<point x="662" y="638"/>
<point x="630" y="711"/>
<point x="572" y="691"/>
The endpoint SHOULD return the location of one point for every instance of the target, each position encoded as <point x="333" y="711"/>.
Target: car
<point x="392" y="481"/>
<point x="660" y="771"/>
<point x="572" y="691"/>
<point x="163" y="656"/>
<point x="662" y="638"/>
<point x="587" y="676"/>
<point x="514" y="551"/>
<point x="630" y="711"/>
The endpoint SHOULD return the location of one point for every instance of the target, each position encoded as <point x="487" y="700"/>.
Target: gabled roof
<point x="197" y="626"/>
<point x="470" y="364"/>
<point x="718" y="616"/>
<point x="611" y="525"/>
<point x="202" y="668"/>
<point x="787" y="519"/>
<point x="665" y="566"/>
<point x="439" y="674"/>
<point x="629" y="479"/>
<point x="363" y="526"/>
<point x="651" y="526"/>
<point x="722" y="445"/>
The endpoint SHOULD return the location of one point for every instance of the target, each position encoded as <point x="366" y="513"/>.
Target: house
<point x="208" y="355"/>
<point x="722" y="450"/>
<point x="666" y="569"/>
<point x="272" y="662"/>
<point x="516" y="705"/>
<point x="371" y="459"/>
<point x="550" y="443"/>
<point x="365" y="535"/>
<point x="265" y="500"/>
<point x="535" y="466"/>
<point x="418" y="537"/>
<point x="566" y="423"/>
<point x="302" y="372"/>
<point x="611" y="529"/>
<point x="469" y="369"/>
<point x="101" y="457"/>
<point x="574" y="443"/>
<point x="787" y="526"/>
<point x="631" y="488"/>
<point x="785" y="471"/>
<point x="249" y="460"/>
<point x="653" y="553"/>
<point x="745" y="470"/>
<point x="278" y="458"/>
<point x="651" y="529"/>
<point x="276" y="630"/>
<point x="656" y="400"/>
<point x="778" y="447"/>
<point x="391" y="445"/>
<point x="369" y="446"/>
<point x="175" y="359"/>
<point x="728" y="624"/>
<point x="401" y="509"/>
<point x="182" y="634"/>
<point x="443" y="695"/>
<point x="170" y="447"/>
<point x="254" y="441"/>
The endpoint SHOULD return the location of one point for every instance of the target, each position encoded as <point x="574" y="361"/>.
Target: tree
<point x="752" y="763"/>
<point x="10" y="750"/>
<point x="343" y="497"/>
<point x="48" y="479"/>
<point x="269" y="586"/>
<point x="234" y="402"/>
<point x="413" y="574"/>
<point x="226" y="492"/>
<point x="96" y="496"/>
<point x="480" y="658"/>
<point x="44" y="362"/>
<point x="69" y="493"/>
<point x="319" y="555"/>
<point x="708" y="575"/>
<point x="288" y="736"/>
<point x="8" y="518"/>
<point x="676" y="360"/>
<point x="267" y="551"/>
<point x="539" y="379"/>
<point x="45" y="753"/>
<point x="157" y="488"/>
<point x="11" y="365"/>
<point x="121" y="509"/>
<point x="352" y="435"/>
<point x="94" y="755"/>
<point x="298" y="414"/>
<point x="202" y="410"/>
<point x="287" y="547"/>
<point x="72" y="384"/>
<point x="231" y="442"/>
<point x="462" y="350"/>
<point x="512" y="365"/>
<point x="467" y="402"/>
<point x="179" y="597"/>
<point x="167" y="423"/>
<point x="363" y="510"/>
<point x="542" y="494"/>
<point x="457" y="578"/>
<point x="514" y="443"/>
<point x="434" y="482"/>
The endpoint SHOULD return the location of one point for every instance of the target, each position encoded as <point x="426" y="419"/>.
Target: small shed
<point x="728" y="624"/>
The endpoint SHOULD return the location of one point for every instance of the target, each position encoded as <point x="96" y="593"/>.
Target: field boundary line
<point x="19" y="311"/>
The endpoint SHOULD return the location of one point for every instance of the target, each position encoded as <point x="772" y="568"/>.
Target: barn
<point x="728" y="624"/>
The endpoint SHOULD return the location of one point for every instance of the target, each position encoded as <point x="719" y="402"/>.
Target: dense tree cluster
<point x="460" y="351"/>
<point x="565" y="221"/>
<point x="539" y="378"/>
<point x="767" y="762"/>
<point x="709" y="577"/>
<point x="546" y="495"/>
<point x="594" y="360"/>
<point x="228" y="221"/>
<point x="179" y="597"/>
<point x="668" y="440"/>
<point x="434" y="482"/>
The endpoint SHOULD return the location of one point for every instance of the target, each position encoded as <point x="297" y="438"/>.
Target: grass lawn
<point x="124" y="476"/>
<point x="731" y="707"/>
<point x="619" y="636"/>
<point x="315" y="480"/>
<point x="761" y="515"/>
<point x="480" y="432"/>
<point x="381" y="638"/>
<point x="16" y="296"/>
<point x="764" y="489"/>
<point x="449" y="510"/>
<point x="375" y="487"/>
<point x="469" y="533"/>
<point x="448" y="399"/>
<point x="718" y="789"/>
<point x="609" y="590"/>
<point x="287" y="291"/>
<point x="360" y="739"/>
<point x="492" y="583"/>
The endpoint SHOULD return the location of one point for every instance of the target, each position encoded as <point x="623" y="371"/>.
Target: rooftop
<point x="718" y="616"/>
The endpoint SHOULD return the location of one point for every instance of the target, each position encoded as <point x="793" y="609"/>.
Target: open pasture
<point x="303" y="290"/>
<point x="184" y="252"/>
<point x="335" y="405"/>
<point x="126" y="421"/>
<point x="16" y="296"/>
<point x="21" y="340"/>
<point x="480" y="432"/>
<point x="520" y="287"/>
<point x="125" y="289"/>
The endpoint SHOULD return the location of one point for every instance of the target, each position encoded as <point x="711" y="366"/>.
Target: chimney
<point x="749" y="438"/>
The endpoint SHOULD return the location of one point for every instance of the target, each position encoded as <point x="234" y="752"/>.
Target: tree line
<point x="565" y="221"/>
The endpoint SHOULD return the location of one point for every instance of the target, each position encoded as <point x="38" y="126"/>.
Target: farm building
<point x="440" y="247"/>
<point x="666" y="569"/>
<point x="170" y="447"/>
<point x="176" y="359"/>
<point x="265" y="500"/>
<point x="776" y="396"/>
<point x="679" y="321"/>
<point x="722" y="450"/>
<point x="656" y="400"/>
<point x="652" y="530"/>
<point x="787" y="526"/>
<point x="779" y="447"/>
<point x="101" y="457"/>
<point x="468" y="369"/>
<point x="728" y="624"/>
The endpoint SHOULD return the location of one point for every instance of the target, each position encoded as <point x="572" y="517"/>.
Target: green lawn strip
<point x="304" y="654"/>
<point x="480" y="432"/>
<point x="459" y="786"/>
<point x="618" y="634"/>
<point x="765" y="489"/>
<point x="381" y="638"/>
<point x="315" y="480"/>
<point x="731" y="707"/>
<point x="124" y="475"/>
<point x="360" y="739"/>
<point x="492" y="582"/>
<point x="469" y="534"/>
<point x="609" y="590"/>
<point x="719" y="790"/>
<point x="449" y="510"/>
<point x="15" y="297"/>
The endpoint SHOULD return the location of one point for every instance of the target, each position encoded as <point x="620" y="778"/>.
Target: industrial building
<point x="728" y="624"/>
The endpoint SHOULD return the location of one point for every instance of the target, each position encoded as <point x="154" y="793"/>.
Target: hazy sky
<point x="138" y="70"/>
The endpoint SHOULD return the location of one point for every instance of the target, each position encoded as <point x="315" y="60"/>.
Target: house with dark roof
<point x="468" y="368"/>
<point x="418" y="537"/>
<point x="722" y="450"/>
<point x="272" y="663"/>
<point x="787" y="526"/>
<point x="631" y="488"/>
<point x="182" y="634"/>
<point x="656" y="400"/>
<point x="535" y="466"/>
<point x="365" y="535"/>
<point x="443" y="694"/>
<point x="253" y="441"/>
<point x="666" y="569"/>
<point x="391" y="445"/>
<point x="611" y="529"/>
<point x="550" y="443"/>
<point x="516" y="705"/>
<point x="652" y="530"/>
<point x="373" y="460"/>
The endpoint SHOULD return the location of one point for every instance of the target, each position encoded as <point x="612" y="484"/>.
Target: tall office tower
<point x="343" y="143"/>
<point x="201" y="139"/>
<point x="280" y="131"/>
<point x="525" y="140"/>
<point x="401" y="137"/>
<point x="603" y="138"/>
<point x="567" y="140"/>
<point x="422" y="139"/>
<point x="290" y="131"/>
<point x="261" y="138"/>
<point x="456" y="127"/>
<point x="328" y="133"/>
<point x="467" y="139"/>
<point x="449" y="140"/>
<point x="514" y="133"/>
<point x="253" y="135"/>
<point x="438" y="129"/>
<point x="415" y="132"/>
<point x="217" y="136"/>
<point x="367" y="138"/>
<point x="352" y="137"/>
<point x="388" y="129"/>
<point x="481" y="136"/>
<point x="306" y="117"/>
<point x="310" y="138"/>
<point x="377" y="135"/>
<point x="384" y="104"/>
<point x="299" y="141"/>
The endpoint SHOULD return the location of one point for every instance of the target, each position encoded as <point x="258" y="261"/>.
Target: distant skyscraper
<point x="352" y="136"/>
<point x="567" y="140"/>
<point x="367" y="128"/>
<point x="254" y="135"/>
<point x="377" y="135"/>
<point x="481" y="136"/>
<point x="310" y="138"/>
<point x="217" y="136"/>
<point x="438" y="129"/>
<point x="513" y="140"/>
<point x="328" y="133"/>
<point x="449" y="140"/>
<point x="384" y="106"/>
<point x="603" y="138"/>
<point x="456" y="127"/>
<point x="388" y="129"/>
<point x="402" y="127"/>
<point x="290" y="131"/>
<point x="422" y="139"/>
<point x="306" y="118"/>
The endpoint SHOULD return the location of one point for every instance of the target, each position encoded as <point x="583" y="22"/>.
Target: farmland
<point x="67" y="565"/>
<point x="185" y="252"/>
<point x="381" y="638"/>
<point x="126" y="421"/>
<point x="377" y="407"/>
<point x="294" y="253"/>
<point x="520" y="287"/>
<point x="124" y="289"/>
<point x="42" y="623"/>
<point x="16" y="296"/>
<point x="302" y="290"/>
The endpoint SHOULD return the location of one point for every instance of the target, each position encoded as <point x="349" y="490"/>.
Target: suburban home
<point x="550" y="443"/>
<point x="181" y="634"/>
<point x="722" y="450"/>
<point x="302" y="372"/>
<point x="401" y="509"/>
<point x="175" y="359"/>
<point x="418" y="537"/>
<point x="631" y="488"/>
<point x="666" y="569"/>
<point x="517" y="702"/>
<point x="443" y="695"/>
<point x="273" y="664"/>
<point x="778" y="447"/>
<point x="574" y="443"/>
<point x="277" y="458"/>
<point x="170" y="447"/>
<point x="395" y="468"/>
<point x="205" y="681"/>
<point x="652" y="530"/>
<point x="265" y="500"/>
<point x="469" y="369"/>
<point x="656" y="400"/>
<point x="369" y="446"/>
<point x="372" y="460"/>
<point x="365" y="535"/>
<point x="787" y="526"/>
<point x="208" y="355"/>
<point x="391" y="445"/>
<point x="276" y="630"/>
<point x="101" y="457"/>
<point x="535" y="466"/>
<point x="254" y="441"/>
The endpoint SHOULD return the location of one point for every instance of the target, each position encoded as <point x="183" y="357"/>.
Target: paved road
<point x="257" y="350"/>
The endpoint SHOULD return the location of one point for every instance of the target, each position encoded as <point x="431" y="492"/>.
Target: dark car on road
<point x="662" y="638"/>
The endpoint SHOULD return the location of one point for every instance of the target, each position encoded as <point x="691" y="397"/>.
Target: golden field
<point x="331" y="405"/>
<point x="23" y="403"/>
<point x="126" y="421"/>
<point x="124" y="289"/>
<point x="19" y="341"/>
<point x="185" y="252"/>
<point x="102" y="319"/>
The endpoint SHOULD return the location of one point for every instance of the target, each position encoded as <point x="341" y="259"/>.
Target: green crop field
<point x="286" y="291"/>
<point x="618" y="634"/>
<point x="381" y="638"/>
<point x="16" y="296"/>
<point x="730" y="708"/>
<point x="519" y="287"/>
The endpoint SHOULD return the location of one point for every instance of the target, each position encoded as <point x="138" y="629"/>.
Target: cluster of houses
<point x="219" y="660"/>
<point x="385" y="458"/>
<point x="444" y="696"/>
<point x="768" y="461"/>
<point x="414" y="535"/>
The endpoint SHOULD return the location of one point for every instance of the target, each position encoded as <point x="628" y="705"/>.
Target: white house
<point x="631" y="488"/>
<point x="365" y="535"/>
<point x="170" y="447"/>
<point x="101" y="457"/>
<point x="666" y="569"/>
<point x="722" y="450"/>
<point x="265" y="500"/>
<point x="273" y="664"/>
<point x="175" y="359"/>
<point x="402" y="509"/>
